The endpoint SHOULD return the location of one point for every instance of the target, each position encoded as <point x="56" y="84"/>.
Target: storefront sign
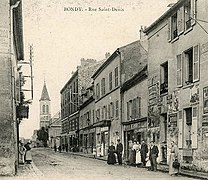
<point x="205" y="100"/>
<point x="194" y="96"/>
<point x="104" y="129"/>
<point x="135" y="126"/>
<point x="173" y="119"/>
<point x="4" y="40"/>
<point x="205" y="121"/>
<point x="153" y="94"/>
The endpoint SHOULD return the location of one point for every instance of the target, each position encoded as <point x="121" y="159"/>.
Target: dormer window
<point x="174" y="29"/>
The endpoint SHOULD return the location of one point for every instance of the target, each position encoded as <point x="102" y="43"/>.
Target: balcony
<point x="164" y="88"/>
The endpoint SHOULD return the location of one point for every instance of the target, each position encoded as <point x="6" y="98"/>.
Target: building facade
<point x="11" y="53"/>
<point x="45" y="108"/>
<point x="134" y="95"/>
<point x="54" y="130"/>
<point x="71" y="99"/>
<point x="87" y="139"/>
<point x="177" y="85"/>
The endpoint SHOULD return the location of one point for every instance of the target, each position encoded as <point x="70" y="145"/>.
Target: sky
<point x="61" y="38"/>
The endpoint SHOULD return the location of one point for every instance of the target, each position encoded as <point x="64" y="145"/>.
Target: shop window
<point x="103" y="86"/>
<point x="164" y="78"/>
<point x="110" y="81"/>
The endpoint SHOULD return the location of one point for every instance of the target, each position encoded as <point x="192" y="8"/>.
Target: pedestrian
<point x="153" y="154"/>
<point x="111" y="154"/>
<point x="94" y="152"/>
<point x="173" y="157"/>
<point x="22" y="151"/>
<point x="119" y="150"/>
<point x="59" y="148"/>
<point x="131" y="153"/>
<point x="66" y="147"/>
<point x="138" y="155"/>
<point x="63" y="147"/>
<point x="134" y="152"/>
<point x="28" y="156"/>
<point x="143" y="152"/>
<point x="55" y="148"/>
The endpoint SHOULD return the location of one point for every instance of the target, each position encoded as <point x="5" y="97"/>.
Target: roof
<point x="165" y="15"/>
<point x="105" y="64"/>
<point x="44" y="95"/>
<point x="70" y="80"/>
<point x="18" y="29"/>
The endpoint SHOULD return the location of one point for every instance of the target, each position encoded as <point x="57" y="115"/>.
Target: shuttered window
<point x="196" y="63"/>
<point x="194" y="127"/>
<point x="180" y="129"/>
<point x="179" y="70"/>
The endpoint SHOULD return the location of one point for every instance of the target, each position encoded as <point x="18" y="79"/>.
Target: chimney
<point x="107" y="55"/>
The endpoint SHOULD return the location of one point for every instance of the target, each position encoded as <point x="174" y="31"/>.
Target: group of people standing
<point x="24" y="153"/>
<point x="143" y="155"/>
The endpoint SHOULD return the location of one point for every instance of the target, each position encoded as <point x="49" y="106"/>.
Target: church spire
<point x="44" y="95"/>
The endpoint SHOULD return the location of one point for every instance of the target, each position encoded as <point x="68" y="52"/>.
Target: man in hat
<point x="153" y="154"/>
<point x="119" y="150"/>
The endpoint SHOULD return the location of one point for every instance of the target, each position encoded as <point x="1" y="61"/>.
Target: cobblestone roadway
<point x="65" y="166"/>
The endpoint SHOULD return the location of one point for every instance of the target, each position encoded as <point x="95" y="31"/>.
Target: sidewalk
<point x="162" y="168"/>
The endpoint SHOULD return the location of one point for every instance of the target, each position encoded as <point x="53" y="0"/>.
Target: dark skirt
<point x="111" y="158"/>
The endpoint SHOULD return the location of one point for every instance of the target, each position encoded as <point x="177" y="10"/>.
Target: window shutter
<point x="182" y="20"/>
<point x="180" y="129"/>
<point x="193" y="12"/>
<point x="179" y="21"/>
<point x="127" y="110"/>
<point x="139" y="107"/>
<point x="194" y="128"/>
<point x="179" y="70"/>
<point x="196" y="63"/>
<point x="169" y="29"/>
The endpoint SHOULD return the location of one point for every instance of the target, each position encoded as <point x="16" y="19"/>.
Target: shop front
<point x="102" y="137"/>
<point x="134" y="131"/>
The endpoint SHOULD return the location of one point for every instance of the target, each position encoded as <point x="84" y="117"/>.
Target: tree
<point x="42" y="136"/>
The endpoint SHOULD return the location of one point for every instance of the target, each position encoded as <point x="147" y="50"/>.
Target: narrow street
<point x="66" y="166"/>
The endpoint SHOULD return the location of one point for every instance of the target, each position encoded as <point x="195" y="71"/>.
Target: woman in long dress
<point x="173" y="157"/>
<point x="138" y="154"/>
<point x="131" y="153"/>
<point x="111" y="154"/>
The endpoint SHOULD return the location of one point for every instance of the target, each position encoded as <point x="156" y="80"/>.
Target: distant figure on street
<point x="119" y="150"/>
<point x="94" y="152"/>
<point x="28" y="156"/>
<point x="173" y="157"/>
<point x="138" y="154"/>
<point x="134" y="152"/>
<point x="143" y="152"/>
<point x="55" y="148"/>
<point x="63" y="147"/>
<point x="59" y="148"/>
<point x="66" y="147"/>
<point x="153" y="154"/>
<point x="22" y="151"/>
<point x="111" y="154"/>
<point x="131" y="153"/>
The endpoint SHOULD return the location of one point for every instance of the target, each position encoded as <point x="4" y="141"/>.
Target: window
<point x="43" y="109"/>
<point x="97" y="91"/>
<point x="47" y="109"/>
<point x="187" y="10"/>
<point x="164" y="78"/>
<point x="110" y="81"/>
<point x="98" y="114"/>
<point x="174" y="30"/>
<point x="134" y="108"/>
<point x="103" y="86"/>
<point x="117" y="109"/>
<point x="188" y="113"/>
<point x="116" y="76"/>
<point x="179" y="70"/>
<point x="188" y="66"/>
<point x="112" y="110"/>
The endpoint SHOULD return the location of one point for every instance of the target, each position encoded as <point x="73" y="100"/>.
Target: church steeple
<point x="44" y="95"/>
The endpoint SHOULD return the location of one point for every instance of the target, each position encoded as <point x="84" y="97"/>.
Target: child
<point x="94" y="152"/>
